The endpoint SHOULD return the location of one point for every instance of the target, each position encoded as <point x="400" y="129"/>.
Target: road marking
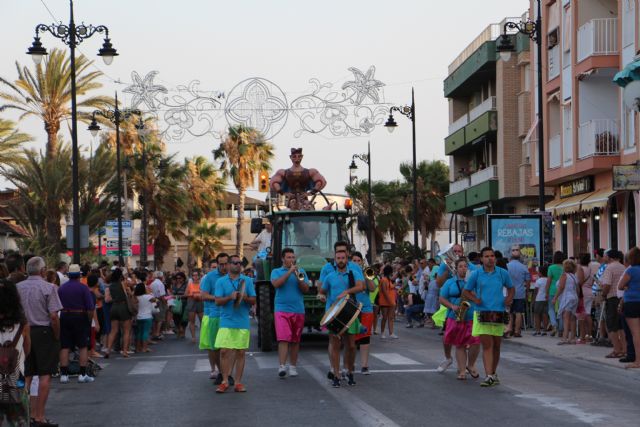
<point x="400" y="371"/>
<point x="395" y="359"/>
<point x="519" y="358"/>
<point x="147" y="368"/>
<point x="572" y="409"/>
<point x="267" y="362"/>
<point x="202" y="365"/>
<point x="361" y="413"/>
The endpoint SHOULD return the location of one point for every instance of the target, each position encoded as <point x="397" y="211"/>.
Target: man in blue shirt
<point x="484" y="288"/>
<point x="521" y="279"/>
<point x="211" y="318"/>
<point x="234" y="296"/>
<point x="289" y="310"/>
<point x="329" y="267"/>
<point x="363" y="339"/>
<point x="335" y="287"/>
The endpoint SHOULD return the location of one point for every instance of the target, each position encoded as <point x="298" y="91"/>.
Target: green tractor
<point x="311" y="234"/>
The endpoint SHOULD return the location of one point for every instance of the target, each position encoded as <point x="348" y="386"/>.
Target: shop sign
<point x="626" y="177"/>
<point x="575" y="187"/>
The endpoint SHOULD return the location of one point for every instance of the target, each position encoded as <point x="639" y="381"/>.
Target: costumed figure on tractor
<point x="299" y="185"/>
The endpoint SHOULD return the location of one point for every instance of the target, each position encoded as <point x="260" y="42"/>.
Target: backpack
<point x="9" y="374"/>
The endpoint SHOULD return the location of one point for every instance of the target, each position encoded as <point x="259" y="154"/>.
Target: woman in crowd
<point x="92" y="283"/>
<point x="117" y="295"/>
<point x="179" y="290"/>
<point x="458" y="333"/>
<point x="630" y="284"/>
<point x="14" y="327"/>
<point x="431" y="303"/>
<point x="567" y="299"/>
<point x="387" y="299"/>
<point x="51" y="276"/>
<point x="195" y="305"/>
<point x="144" y="318"/>
<point x="553" y="275"/>
<point x="585" y="278"/>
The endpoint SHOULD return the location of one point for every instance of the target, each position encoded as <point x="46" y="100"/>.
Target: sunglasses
<point x="235" y="262"/>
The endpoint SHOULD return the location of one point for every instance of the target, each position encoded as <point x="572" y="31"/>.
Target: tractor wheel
<point x="265" y="317"/>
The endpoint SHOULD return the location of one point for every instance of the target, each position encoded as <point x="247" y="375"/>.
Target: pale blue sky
<point x="220" y="43"/>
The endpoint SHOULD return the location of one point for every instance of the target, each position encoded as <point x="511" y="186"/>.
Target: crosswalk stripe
<point x="202" y="365"/>
<point x="395" y="359"/>
<point x="519" y="358"/>
<point x="267" y="362"/>
<point x="400" y="371"/>
<point x="148" y="368"/>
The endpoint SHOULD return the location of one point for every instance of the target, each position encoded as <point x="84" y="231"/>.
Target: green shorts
<point x="237" y="339"/>
<point x="354" y="328"/>
<point x="209" y="332"/>
<point x="495" y="329"/>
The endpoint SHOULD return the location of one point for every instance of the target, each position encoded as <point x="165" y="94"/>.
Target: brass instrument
<point x="369" y="274"/>
<point x="449" y="258"/>
<point x="300" y="276"/>
<point x="462" y="310"/>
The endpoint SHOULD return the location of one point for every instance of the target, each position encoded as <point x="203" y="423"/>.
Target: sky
<point x="287" y="42"/>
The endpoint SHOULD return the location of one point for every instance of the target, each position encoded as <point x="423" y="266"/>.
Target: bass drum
<point x="341" y="315"/>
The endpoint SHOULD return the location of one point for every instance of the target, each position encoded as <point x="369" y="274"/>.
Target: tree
<point x="204" y="240"/>
<point x="11" y="141"/>
<point x="47" y="93"/>
<point x="98" y="186"/>
<point x="243" y="153"/>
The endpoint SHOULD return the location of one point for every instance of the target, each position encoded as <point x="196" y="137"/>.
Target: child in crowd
<point x="540" y="305"/>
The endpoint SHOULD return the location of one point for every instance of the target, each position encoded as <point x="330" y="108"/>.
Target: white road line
<point x="202" y="365"/>
<point x="572" y="409"/>
<point x="400" y="371"/>
<point x="519" y="358"/>
<point x="361" y="413"/>
<point x="147" y="368"/>
<point x="395" y="359"/>
<point x="267" y="362"/>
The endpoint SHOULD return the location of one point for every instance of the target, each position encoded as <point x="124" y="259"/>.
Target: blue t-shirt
<point x="208" y="285"/>
<point x="519" y="274"/>
<point x="331" y="266"/>
<point x="452" y="293"/>
<point x="289" y="297"/>
<point x="334" y="284"/>
<point x="488" y="288"/>
<point x="230" y="316"/>
<point x="632" y="294"/>
<point x="364" y="298"/>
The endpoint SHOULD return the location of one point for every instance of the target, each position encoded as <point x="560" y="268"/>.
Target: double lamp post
<point x="366" y="158"/>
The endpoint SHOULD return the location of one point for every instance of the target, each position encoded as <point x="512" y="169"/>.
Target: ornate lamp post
<point x="366" y="158"/>
<point x="72" y="35"/>
<point x="505" y="47"/>
<point x="116" y="116"/>
<point x="391" y="125"/>
<point x="144" y="238"/>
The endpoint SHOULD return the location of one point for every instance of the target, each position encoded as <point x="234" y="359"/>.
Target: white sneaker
<point x="282" y="371"/>
<point x="293" y="371"/>
<point x="85" y="379"/>
<point x="393" y="336"/>
<point x="64" y="379"/>
<point x="383" y="337"/>
<point x="444" y="365"/>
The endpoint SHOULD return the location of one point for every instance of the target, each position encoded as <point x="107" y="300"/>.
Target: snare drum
<point x="341" y="315"/>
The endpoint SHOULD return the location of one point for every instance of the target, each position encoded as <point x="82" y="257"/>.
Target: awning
<point x="630" y="73"/>
<point x="597" y="199"/>
<point x="549" y="207"/>
<point x="480" y="211"/>
<point x="570" y="205"/>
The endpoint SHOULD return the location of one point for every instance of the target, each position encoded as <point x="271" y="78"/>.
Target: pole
<point x="372" y="235"/>
<point x="415" y="178"/>
<point x="75" y="184"/>
<point x="117" y="122"/>
<point x="540" y="113"/>
<point x="143" y="247"/>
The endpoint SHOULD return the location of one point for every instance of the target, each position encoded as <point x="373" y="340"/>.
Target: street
<point x="170" y="387"/>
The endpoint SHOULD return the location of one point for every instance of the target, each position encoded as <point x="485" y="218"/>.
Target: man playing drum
<point x="290" y="283"/>
<point x="343" y="282"/>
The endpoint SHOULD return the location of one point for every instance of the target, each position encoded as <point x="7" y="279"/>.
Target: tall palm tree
<point x="11" y="141"/>
<point x="204" y="187"/>
<point x="204" y="240"/>
<point x="243" y="153"/>
<point x="98" y="187"/>
<point x="47" y="93"/>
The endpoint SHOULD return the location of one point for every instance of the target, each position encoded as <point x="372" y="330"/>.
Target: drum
<point x="341" y="315"/>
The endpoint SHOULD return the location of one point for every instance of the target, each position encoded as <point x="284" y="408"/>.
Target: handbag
<point x="177" y="306"/>
<point x="132" y="305"/>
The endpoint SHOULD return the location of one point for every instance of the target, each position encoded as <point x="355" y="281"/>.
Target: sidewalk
<point x="578" y="351"/>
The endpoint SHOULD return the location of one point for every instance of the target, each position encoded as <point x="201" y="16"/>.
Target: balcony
<point x="456" y="201"/>
<point x="599" y="138"/>
<point x="454" y="141"/>
<point x="485" y="123"/>
<point x="488" y="104"/>
<point x="598" y="37"/>
<point x="482" y="193"/>
<point x="554" y="62"/>
<point x="459" y="185"/>
<point x="555" y="152"/>
<point x="484" y="175"/>
<point x="459" y="124"/>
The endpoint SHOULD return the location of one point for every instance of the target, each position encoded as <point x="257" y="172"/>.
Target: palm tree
<point x="10" y="142"/>
<point x="98" y="186"/>
<point x="204" y="187"/>
<point x="204" y="240"/>
<point x="243" y="153"/>
<point x="47" y="93"/>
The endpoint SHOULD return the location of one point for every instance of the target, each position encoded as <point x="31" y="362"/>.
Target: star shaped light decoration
<point x="364" y="85"/>
<point x="144" y="90"/>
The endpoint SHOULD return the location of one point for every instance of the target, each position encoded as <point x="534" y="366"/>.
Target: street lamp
<point x="366" y="158"/>
<point x="505" y="47"/>
<point x="391" y="125"/>
<point x="144" y="238"/>
<point x="115" y="116"/>
<point x="73" y="35"/>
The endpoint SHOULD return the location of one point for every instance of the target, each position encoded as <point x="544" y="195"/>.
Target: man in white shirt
<point x="159" y="291"/>
<point x="263" y="240"/>
<point x="62" y="269"/>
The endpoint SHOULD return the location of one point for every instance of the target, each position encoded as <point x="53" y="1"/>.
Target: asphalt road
<point x="170" y="387"/>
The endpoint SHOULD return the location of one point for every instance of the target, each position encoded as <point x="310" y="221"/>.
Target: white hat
<point x="74" y="268"/>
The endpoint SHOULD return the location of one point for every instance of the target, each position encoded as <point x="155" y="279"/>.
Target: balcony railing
<point x="459" y="185"/>
<point x="227" y="213"/>
<point x="554" y="62"/>
<point x="598" y="37"/>
<point x="483" y="175"/>
<point x="488" y="104"/>
<point x="599" y="138"/>
<point x="555" y="152"/>
<point x="459" y="124"/>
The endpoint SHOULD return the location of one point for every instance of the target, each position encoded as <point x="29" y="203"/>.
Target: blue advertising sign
<point x="516" y="231"/>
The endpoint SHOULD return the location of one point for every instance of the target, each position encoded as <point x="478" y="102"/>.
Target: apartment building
<point x="490" y="117"/>
<point x="587" y="129"/>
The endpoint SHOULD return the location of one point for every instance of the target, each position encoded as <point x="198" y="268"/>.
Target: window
<point x="310" y="235"/>
<point x="566" y="30"/>
<point x="527" y="78"/>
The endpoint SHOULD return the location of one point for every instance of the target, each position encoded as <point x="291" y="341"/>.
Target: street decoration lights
<point x="410" y="112"/>
<point x="366" y="158"/>
<point x="72" y="35"/>
<point x="116" y="116"/>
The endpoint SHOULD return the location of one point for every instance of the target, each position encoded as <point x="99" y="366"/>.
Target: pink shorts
<point x="458" y="334"/>
<point x="289" y="326"/>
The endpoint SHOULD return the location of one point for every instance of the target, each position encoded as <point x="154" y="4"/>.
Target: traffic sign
<point x="111" y="229"/>
<point x="114" y="252"/>
<point x="113" y="243"/>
